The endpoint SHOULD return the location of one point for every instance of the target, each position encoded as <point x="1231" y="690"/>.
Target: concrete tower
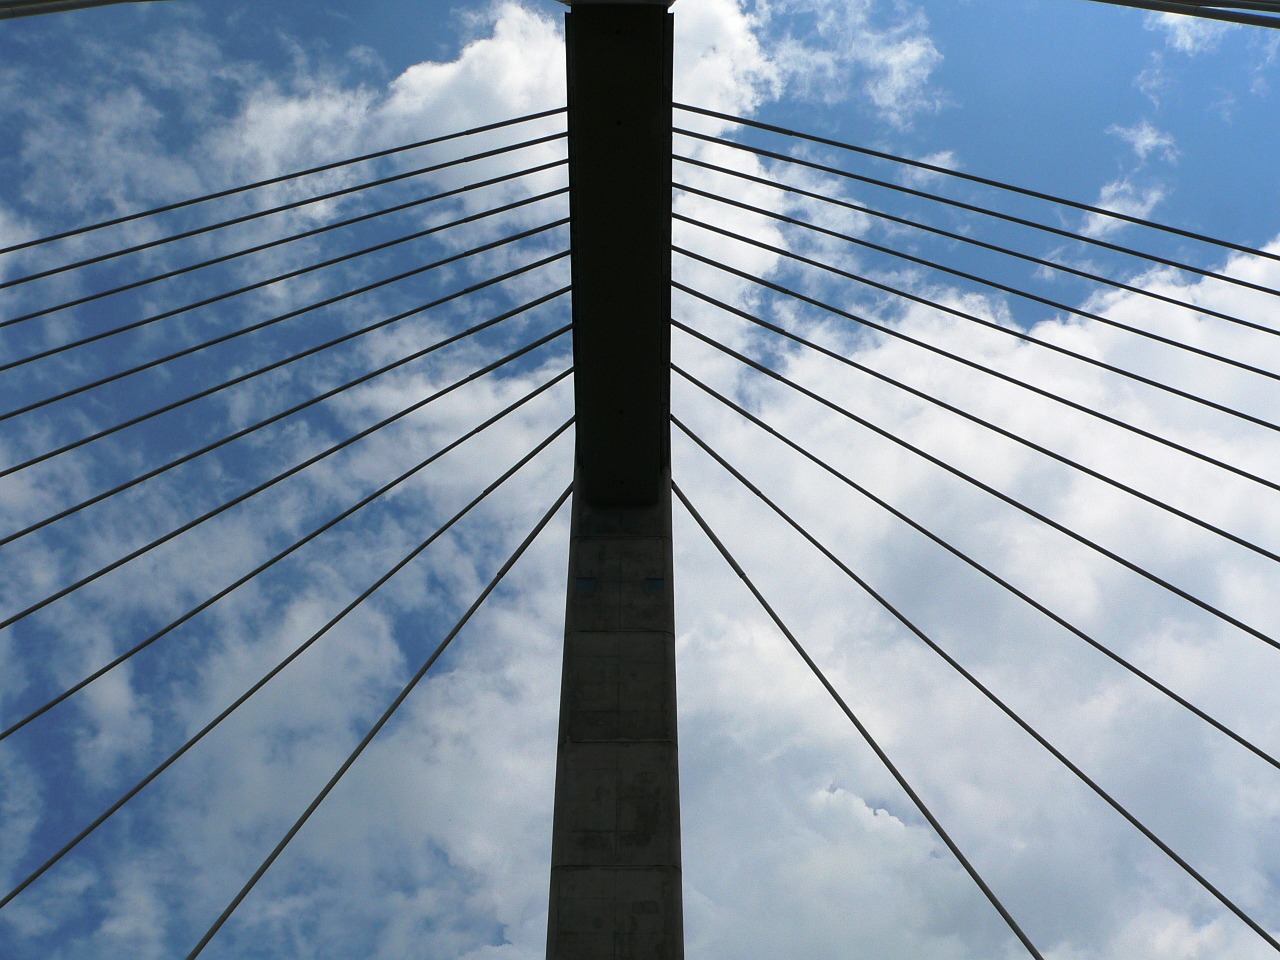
<point x="615" y="868"/>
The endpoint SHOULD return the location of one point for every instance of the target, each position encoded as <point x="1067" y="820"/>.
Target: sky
<point x="797" y="843"/>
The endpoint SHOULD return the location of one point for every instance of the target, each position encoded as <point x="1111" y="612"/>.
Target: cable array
<point x="1013" y="715"/>
<point x="258" y="285"/>
<point x="525" y="340"/>
<point x="266" y="565"/>
<point x="490" y="312"/>
<point x="984" y="281"/>
<point x="955" y="551"/>
<point x="770" y="312"/>
<point x="1043" y="518"/>
<point x="293" y="358"/>
<point x="985" y="211"/>
<point x="266" y="484"/>
<point x="275" y="671"/>
<point x="281" y="178"/>
<point x="934" y="168"/>
<point x="381" y="722"/>
<point x="969" y="240"/>
<point x="303" y="235"/>
<point x="980" y="421"/>
<point x="858" y="724"/>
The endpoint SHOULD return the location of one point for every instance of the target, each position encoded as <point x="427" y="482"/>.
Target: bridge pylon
<point x="615" y="870"/>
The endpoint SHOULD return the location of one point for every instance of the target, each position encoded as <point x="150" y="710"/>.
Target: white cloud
<point x="918" y="177"/>
<point x="135" y="925"/>
<point x="1145" y="140"/>
<point x="721" y="62"/>
<point x="901" y="69"/>
<point x="1189" y="35"/>
<point x="847" y="43"/>
<point x="116" y="726"/>
<point x="1154" y="80"/>
<point x="20" y="803"/>
<point x="1123" y="196"/>
<point x="519" y="68"/>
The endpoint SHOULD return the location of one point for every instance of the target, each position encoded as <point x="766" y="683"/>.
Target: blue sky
<point x="796" y="841"/>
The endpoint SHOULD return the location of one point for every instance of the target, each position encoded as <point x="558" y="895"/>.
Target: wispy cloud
<point x="890" y="56"/>
<point x="1189" y="35"/>
<point x="1146" y="140"/>
<point x="1126" y="197"/>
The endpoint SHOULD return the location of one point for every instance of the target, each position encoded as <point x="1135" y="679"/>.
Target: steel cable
<point x="240" y="498"/>
<point x="907" y="338"/>
<point x="276" y="558"/>
<point x="858" y="725"/>
<point x="276" y="417"/>
<point x="1039" y="738"/>
<point x="288" y="275"/>
<point x="281" y="241"/>
<point x="266" y="678"/>
<point x="959" y="238"/>
<point x="330" y="195"/>
<point x="992" y="491"/>
<point x="994" y="428"/>
<point x="280" y="318"/>
<point x="973" y="208"/>
<point x="984" y="181"/>
<point x="275" y="365"/>
<point x="377" y="727"/>
<point x="965" y="558"/>
<point x="271" y="181"/>
<point x="1189" y="8"/>
<point x="13" y="9"/>
<point x="933" y="265"/>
